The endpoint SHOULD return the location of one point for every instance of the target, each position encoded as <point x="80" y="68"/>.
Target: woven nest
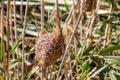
<point x="49" y="47"/>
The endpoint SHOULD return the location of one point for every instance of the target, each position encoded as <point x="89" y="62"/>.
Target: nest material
<point x="49" y="48"/>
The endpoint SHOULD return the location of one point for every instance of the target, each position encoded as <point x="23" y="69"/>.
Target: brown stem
<point x="21" y="11"/>
<point x="23" y="35"/>
<point x="107" y="29"/>
<point x="43" y="73"/>
<point x="67" y="47"/>
<point x="37" y="29"/>
<point x="57" y="17"/>
<point x="42" y="16"/>
<point x="2" y="32"/>
<point x="11" y="33"/>
<point x="15" y="30"/>
<point x="7" y="42"/>
<point x="15" y="27"/>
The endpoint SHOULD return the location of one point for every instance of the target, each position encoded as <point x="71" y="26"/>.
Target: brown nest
<point x="49" y="47"/>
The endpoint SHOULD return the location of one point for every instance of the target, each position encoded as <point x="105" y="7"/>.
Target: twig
<point x="65" y="28"/>
<point x="58" y="20"/>
<point x="73" y="13"/>
<point x="37" y="29"/>
<point x="93" y="18"/>
<point x="2" y="33"/>
<point x="11" y="33"/>
<point x="42" y="16"/>
<point x="43" y="73"/>
<point x="74" y="22"/>
<point x="67" y="47"/>
<point x="21" y="11"/>
<point x="107" y="29"/>
<point x="15" y="30"/>
<point x="7" y="42"/>
<point x="15" y="27"/>
<point x="42" y="31"/>
<point x="23" y="35"/>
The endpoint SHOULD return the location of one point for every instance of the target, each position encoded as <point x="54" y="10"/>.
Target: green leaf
<point x="18" y="42"/>
<point x="86" y="68"/>
<point x="114" y="58"/>
<point x="1" y="78"/>
<point x="32" y="72"/>
<point x="66" y="5"/>
<point x="102" y="69"/>
<point x="112" y="75"/>
<point x="18" y="59"/>
<point x="13" y="65"/>
<point x="85" y="73"/>
<point x="1" y="69"/>
<point x="109" y="49"/>
<point x="1" y="53"/>
<point x="117" y="75"/>
<point x="76" y="57"/>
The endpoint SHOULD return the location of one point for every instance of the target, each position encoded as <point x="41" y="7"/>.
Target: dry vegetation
<point x="91" y="30"/>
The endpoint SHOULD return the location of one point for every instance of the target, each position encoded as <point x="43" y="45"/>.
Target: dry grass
<point x="92" y="39"/>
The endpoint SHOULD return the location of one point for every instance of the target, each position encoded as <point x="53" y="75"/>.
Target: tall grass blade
<point x="17" y="43"/>
<point x="109" y="49"/>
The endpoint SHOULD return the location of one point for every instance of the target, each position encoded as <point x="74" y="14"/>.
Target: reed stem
<point x="42" y="16"/>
